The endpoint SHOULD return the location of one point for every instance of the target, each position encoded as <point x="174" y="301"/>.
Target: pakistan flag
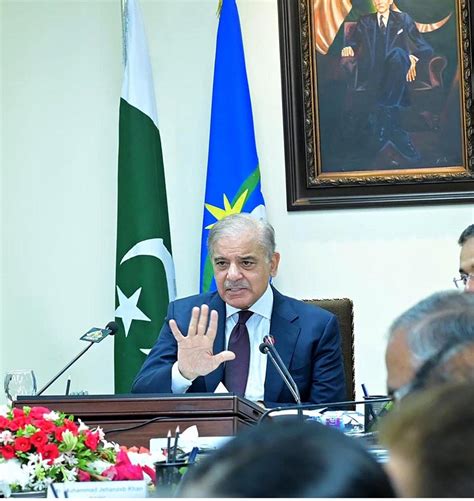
<point x="144" y="267"/>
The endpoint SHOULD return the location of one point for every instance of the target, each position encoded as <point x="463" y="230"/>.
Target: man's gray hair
<point x="442" y="319"/>
<point x="466" y="234"/>
<point x="441" y="330"/>
<point x="237" y="224"/>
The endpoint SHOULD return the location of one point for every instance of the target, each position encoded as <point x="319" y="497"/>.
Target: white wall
<point x="61" y="77"/>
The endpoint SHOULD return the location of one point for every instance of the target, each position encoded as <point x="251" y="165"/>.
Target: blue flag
<point x="233" y="173"/>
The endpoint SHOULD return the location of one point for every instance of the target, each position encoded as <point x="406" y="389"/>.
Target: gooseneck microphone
<point x="268" y="348"/>
<point x="93" y="336"/>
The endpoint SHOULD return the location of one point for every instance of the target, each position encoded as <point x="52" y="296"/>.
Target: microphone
<point x="268" y="348"/>
<point x="93" y="336"/>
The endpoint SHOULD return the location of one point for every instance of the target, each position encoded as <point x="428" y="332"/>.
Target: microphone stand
<point x="293" y="390"/>
<point x="111" y="328"/>
<point x="59" y="374"/>
<point x="271" y="352"/>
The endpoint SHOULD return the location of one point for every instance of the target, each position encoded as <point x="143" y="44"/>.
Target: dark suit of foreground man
<point x="190" y="353"/>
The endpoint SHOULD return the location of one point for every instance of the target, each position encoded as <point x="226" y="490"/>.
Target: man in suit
<point x="466" y="260"/>
<point x="203" y="342"/>
<point x="387" y="46"/>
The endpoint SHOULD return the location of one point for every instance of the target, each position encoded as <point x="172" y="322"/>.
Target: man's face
<point x="382" y="6"/>
<point x="242" y="269"/>
<point x="466" y="263"/>
<point x="398" y="360"/>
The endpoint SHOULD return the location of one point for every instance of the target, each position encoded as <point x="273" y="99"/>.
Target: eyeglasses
<point x="462" y="281"/>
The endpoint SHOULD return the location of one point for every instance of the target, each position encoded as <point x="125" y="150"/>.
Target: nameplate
<point x="105" y="489"/>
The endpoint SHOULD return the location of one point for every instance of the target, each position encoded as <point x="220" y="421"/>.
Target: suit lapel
<point x="285" y="332"/>
<point x="394" y="25"/>
<point x="215" y="377"/>
<point x="372" y="35"/>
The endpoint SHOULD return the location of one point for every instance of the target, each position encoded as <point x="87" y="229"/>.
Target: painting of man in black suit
<point x="387" y="47"/>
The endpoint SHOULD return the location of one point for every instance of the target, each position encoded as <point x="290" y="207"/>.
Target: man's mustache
<point x="238" y="284"/>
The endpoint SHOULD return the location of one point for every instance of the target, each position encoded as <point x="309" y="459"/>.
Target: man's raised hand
<point x="195" y="351"/>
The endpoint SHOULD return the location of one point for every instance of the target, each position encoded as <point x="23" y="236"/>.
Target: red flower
<point x="58" y="433"/>
<point x="92" y="440"/>
<point x="83" y="476"/>
<point x="49" y="452"/>
<point x="17" y="413"/>
<point x="22" y="444"/>
<point x="45" y="426"/>
<point x="7" y="451"/>
<point x="14" y="425"/>
<point x="150" y="472"/>
<point x="3" y="422"/>
<point x="39" y="439"/>
<point x="38" y="412"/>
<point x="123" y="469"/>
<point x="71" y="426"/>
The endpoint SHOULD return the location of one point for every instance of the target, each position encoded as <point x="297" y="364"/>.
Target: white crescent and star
<point x="128" y="309"/>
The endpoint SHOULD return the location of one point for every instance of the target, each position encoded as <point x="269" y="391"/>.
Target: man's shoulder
<point x="401" y="17"/>
<point x="302" y="308"/>
<point x="368" y="18"/>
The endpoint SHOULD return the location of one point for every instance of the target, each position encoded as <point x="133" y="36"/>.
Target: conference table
<point x="133" y="419"/>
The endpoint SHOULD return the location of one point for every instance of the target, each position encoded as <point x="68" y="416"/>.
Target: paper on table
<point x="188" y="439"/>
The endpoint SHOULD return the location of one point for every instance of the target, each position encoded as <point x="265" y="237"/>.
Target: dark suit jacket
<point x="402" y="33"/>
<point x="306" y="337"/>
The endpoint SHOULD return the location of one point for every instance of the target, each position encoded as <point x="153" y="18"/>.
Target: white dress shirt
<point x="258" y="326"/>
<point x="384" y="17"/>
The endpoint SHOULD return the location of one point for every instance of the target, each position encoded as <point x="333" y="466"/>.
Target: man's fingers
<point x="202" y="324"/>
<point x="224" y="356"/>
<point x="212" y="329"/>
<point x="411" y="75"/>
<point x="347" y="52"/>
<point x="176" y="332"/>
<point x="193" y="323"/>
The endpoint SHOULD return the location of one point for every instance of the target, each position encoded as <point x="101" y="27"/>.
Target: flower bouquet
<point x="39" y="447"/>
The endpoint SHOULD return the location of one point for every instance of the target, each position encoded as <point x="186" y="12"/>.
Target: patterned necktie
<point x="383" y="28"/>
<point x="237" y="370"/>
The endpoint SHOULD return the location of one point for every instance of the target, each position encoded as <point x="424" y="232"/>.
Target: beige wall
<point x="61" y="78"/>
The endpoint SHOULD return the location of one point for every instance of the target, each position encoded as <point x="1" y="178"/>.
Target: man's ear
<point x="275" y="261"/>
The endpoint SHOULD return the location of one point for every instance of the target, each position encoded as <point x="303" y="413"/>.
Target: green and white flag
<point x="145" y="280"/>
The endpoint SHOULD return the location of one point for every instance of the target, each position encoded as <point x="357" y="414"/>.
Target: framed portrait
<point x="377" y="102"/>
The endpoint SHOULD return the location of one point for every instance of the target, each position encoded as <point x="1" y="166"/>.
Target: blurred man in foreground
<point x="289" y="458"/>
<point x="430" y="437"/>
<point x="431" y="342"/>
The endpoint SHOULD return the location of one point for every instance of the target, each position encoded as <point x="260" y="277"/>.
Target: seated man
<point x="214" y="337"/>
<point x="466" y="260"/>
<point x="387" y="46"/>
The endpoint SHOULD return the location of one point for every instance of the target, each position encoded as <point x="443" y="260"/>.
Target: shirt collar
<point x="384" y="17"/>
<point x="263" y="306"/>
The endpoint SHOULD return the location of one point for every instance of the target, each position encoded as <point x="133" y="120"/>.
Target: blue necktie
<point x="236" y="371"/>
<point x="383" y="28"/>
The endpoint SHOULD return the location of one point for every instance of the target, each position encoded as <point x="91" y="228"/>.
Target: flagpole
<point x="123" y="5"/>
